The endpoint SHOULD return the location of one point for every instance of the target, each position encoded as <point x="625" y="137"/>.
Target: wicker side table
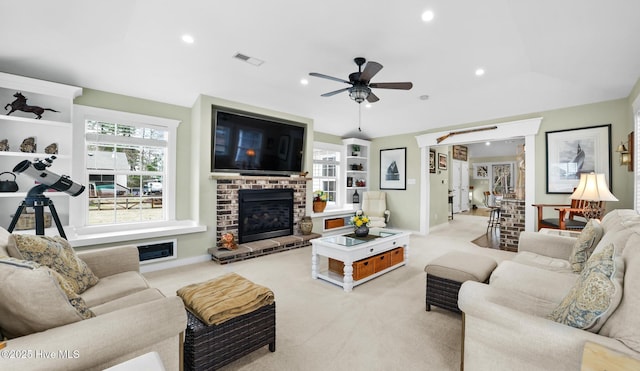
<point x="446" y="274"/>
<point x="211" y="347"/>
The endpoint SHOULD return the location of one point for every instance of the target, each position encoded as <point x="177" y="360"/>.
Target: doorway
<point x="527" y="128"/>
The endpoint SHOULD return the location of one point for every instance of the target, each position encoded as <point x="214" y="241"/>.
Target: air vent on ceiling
<point x="251" y="60"/>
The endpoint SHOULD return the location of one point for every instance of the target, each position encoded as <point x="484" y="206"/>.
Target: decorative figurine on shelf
<point x="51" y="149"/>
<point x="20" y="104"/>
<point x="28" y="145"/>
<point x="355" y="150"/>
<point x="4" y="145"/>
<point x="356" y="197"/>
<point x="227" y="241"/>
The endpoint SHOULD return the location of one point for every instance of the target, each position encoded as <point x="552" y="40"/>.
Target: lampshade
<point x="593" y="187"/>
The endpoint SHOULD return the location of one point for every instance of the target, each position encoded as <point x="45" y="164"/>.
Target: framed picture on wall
<point x="442" y="161"/>
<point x="576" y="151"/>
<point x="459" y="152"/>
<point x="432" y="162"/>
<point x="480" y="171"/>
<point x="393" y="168"/>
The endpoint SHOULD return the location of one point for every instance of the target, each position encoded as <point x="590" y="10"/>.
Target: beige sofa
<point x="131" y="318"/>
<point x="505" y="321"/>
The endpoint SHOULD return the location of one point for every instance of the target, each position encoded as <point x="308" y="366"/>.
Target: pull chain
<point x="359" y="116"/>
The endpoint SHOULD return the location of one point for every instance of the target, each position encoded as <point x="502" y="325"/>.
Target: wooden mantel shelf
<point x="257" y="177"/>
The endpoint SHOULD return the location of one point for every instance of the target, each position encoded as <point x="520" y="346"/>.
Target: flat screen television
<point x="251" y="144"/>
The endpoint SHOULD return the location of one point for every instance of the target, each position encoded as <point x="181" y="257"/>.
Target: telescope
<point x="47" y="179"/>
<point x="38" y="170"/>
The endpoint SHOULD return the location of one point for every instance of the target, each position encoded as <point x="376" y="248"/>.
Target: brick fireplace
<point x="227" y="199"/>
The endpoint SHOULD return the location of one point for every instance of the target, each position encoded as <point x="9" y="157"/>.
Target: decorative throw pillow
<point x="57" y="254"/>
<point x="35" y="298"/>
<point x="585" y="244"/>
<point x="596" y="293"/>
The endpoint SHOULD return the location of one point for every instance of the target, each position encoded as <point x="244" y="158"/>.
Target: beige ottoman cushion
<point x="461" y="266"/>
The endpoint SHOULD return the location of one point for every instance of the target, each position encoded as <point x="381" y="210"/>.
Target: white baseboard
<point x="151" y="267"/>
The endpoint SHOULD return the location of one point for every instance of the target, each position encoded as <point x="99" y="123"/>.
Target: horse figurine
<point x="20" y="104"/>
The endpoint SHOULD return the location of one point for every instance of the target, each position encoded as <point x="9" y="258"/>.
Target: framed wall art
<point x="442" y="161"/>
<point x="393" y="168"/>
<point x="432" y="162"/>
<point x="480" y="171"/>
<point x="459" y="153"/>
<point x="575" y="151"/>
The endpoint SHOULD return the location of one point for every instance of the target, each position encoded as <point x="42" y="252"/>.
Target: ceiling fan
<point x="360" y="86"/>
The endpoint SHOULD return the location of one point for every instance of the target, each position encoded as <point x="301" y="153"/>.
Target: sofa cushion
<point x="585" y="244"/>
<point x="596" y="294"/>
<point x="533" y="281"/>
<point x="57" y="254"/>
<point x="624" y="323"/>
<point x="114" y="287"/>
<point x="543" y="261"/>
<point x="35" y="298"/>
<point x="130" y="300"/>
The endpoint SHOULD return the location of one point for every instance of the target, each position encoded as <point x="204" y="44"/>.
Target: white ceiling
<point x="538" y="54"/>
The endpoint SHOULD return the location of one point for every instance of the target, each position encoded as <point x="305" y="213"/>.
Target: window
<point x="326" y="171"/>
<point x="127" y="163"/>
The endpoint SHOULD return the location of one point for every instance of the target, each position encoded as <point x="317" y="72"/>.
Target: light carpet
<point x="381" y="325"/>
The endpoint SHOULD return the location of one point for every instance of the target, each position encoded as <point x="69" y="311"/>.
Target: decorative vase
<point x="318" y="206"/>
<point x="306" y="225"/>
<point x="362" y="231"/>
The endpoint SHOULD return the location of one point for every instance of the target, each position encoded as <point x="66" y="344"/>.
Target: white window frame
<point x="339" y="203"/>
<point x="78" y="205"/>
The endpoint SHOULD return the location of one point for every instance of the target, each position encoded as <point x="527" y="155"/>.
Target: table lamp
<point x="593" y="188"/>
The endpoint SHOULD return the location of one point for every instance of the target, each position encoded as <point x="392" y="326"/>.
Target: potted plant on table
<point x="319" y="201"/>
<point x="360" y="223"/>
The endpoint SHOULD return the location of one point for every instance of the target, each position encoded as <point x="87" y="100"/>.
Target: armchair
<point x="566" y="214"/>
<point x="374" y="205"/>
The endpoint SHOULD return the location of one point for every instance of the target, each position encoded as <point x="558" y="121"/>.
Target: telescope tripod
<point x="38" y="201"/>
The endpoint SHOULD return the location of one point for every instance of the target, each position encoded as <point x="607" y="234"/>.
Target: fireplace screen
<point x="265" y="213"/>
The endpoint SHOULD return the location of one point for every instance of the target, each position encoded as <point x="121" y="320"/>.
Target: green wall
<point x="196" y="196"/>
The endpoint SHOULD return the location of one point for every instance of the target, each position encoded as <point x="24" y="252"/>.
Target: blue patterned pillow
<point x="595" y="295"/>
<point x="585" y="244"/>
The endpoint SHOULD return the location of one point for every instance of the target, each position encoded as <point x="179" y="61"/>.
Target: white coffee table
<point x="353" y="249"/>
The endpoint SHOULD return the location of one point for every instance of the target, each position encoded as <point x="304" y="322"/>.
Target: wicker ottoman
<point x="446" y="274"/>
<point x="211" y="347"/>
<point x="228" y="317"/>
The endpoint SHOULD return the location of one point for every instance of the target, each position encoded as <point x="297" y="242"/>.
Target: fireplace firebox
<point x="264" y="213"/>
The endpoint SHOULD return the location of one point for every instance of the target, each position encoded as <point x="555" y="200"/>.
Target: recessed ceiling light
<point x="304" y="81"/>
<point x="188" y="39"/>
<point x="479" y="72"/>
<point x="487" y="143"/>
<point x="427" y="16"/>
<point x="368" y="105"/>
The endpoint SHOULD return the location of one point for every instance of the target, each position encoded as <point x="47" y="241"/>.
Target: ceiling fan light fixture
<point x="359" y="93"/>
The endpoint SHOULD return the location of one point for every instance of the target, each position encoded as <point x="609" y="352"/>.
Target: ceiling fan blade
<point x="370" y="70"/>
<point x="391" y="85"/>
<point x="371" y="98"/>
<point x="334" y="92"/>
<point x="328" y="77"/>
